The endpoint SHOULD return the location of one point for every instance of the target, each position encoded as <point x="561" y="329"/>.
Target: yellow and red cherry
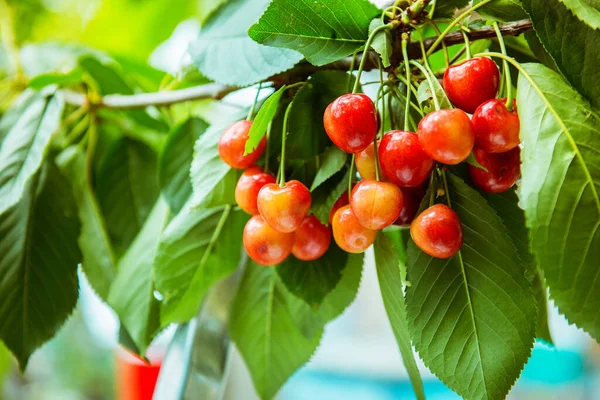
<point x="342" y="201"/>
<point x="284" y="207"/>
<point x="376" y="204"/>
<point x="248" y="186"/>
<point x="496" y="129"/>
<point x="437" y="231"/>
<point x="311" y="240"/>
<point x="403" y="160"/>
<point x="503" y="170"/>
<point x="447" y="136"/>
<point x="365" y="164"/>
<point x="264" y="244"/>
<point x="471" y="83"/>
<point x="412" y="200"/>
<point x="349" y="234"/>
<point x="351" y="122"/>
<point x="233" y="144"/>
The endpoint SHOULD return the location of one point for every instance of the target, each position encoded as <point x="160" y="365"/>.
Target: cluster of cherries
<point x="281" y="226"/>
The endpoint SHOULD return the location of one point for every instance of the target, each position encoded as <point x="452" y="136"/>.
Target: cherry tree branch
<point x="299" y="72"/>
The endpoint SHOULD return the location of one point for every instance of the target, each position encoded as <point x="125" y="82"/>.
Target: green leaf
<point x="127" y="188"/>
<point x="471" y="160"/>
<point x="332" y="161"/>
<point x="387" y="263"/>
<point x="559" y="191"/>
<point x="55" y="78"/>
<point x="447" y="8"/>
<point x="382" y="42"/>
<point x="27" y="138"/>
<point x="323" y="31"/>
<point x="472" y="317"/>
<point x="587" y="11"/>
<point x="275" y="348"/>
<point x="17" y="109"/>
<point x="175" y="160"/>
<point x="537" y="48"/>
<point x="99" y="261"/>
<point x="425" y="97"/>
<point x="327" y="194"/>
<point x="262" y="120"/>
<point x="502" y="10"/>
<point x="556" y="26"/>
<point x="197" y="249"/>
<point x="224" y="193"/>
<point x="132" y="292"/>
<point x="306" y="134"/>
<point x="38" y="263"/>
<point x="224" y="33"/>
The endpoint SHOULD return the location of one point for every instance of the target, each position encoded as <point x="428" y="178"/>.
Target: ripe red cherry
<point x="248" y="186"/>
<point x="437" y="231"/>
<point x="403" y="160"/>
<point x="284" y="207"/>
<point x="376" y="204"/>
<point x="342" y="201"/>
<point x="351" y="122"/>
<point x="503" y="170"/>
<point x="264" y="244"/>
<point x="365" y="164"/>
<point x="471" y="83"/>
<point x="233" y="143"/>
<point x="496" y="129"/>
<point x="412" y="200"/>
<point x="349" y="234"/>
<point x="311" y="240"/>
<point x="447" y="136"/>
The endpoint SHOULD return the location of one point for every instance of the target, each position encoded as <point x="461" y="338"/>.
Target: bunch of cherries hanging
<point x="394" y="170"/>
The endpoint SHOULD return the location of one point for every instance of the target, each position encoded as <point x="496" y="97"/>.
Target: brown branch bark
<point x="299" y="72"/>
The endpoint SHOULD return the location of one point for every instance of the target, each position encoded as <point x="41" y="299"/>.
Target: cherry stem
<point x="268" y="150"/>
<point x="349" y="84"/>
<point x="365" y="54"/>
<point x="251" y="112"/>
<point x="383" y="102"/>
<point x="433" y="4"/>
<point x="283" y="136"/>
<point x="436" y="102"/>
<point x="408" y="78"/>
<point x="350" y="176"/>
<point x="444" y="47"/>
<point x="505" y="69"/>
<point x="455" y="22"/>
<point x="445" y="180"/>
<point x="432" y="188"/>
<point x="467" y="43"/>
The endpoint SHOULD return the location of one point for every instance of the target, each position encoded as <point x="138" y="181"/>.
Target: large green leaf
<point x="127" y="188"/>
<point x="447" y="8"/>
<point x="198" y="248"/>
<point x="226" y="54"/>
<point x="265" y="331"/>
<point x="472" y="317"/>
<point x="390" y="282"/>
<point x="501" y="10"/>
<point x="382" y="42"/>
<point x="175" y="160"/>
<point x="556" y="26"/>
<point x="24" y="146"/>
<point x="332" y="161"/>
<point x="324" y="30"/>
<point x="587" y="11"/>
<point x="263" y="118"/>
<point x="38" y="263"/>
<point x="559" y="191"/>
<point x="325" y="196"/>
<point x="17" y="109"/>
<point x="132" y="292"/>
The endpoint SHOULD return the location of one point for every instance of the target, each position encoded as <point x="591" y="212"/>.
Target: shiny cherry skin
<point x="403" y="160"/>
<point x="351" y="122"/>
<point x="503" y="170"/>
<point x="349" y="234"/>
<point x="233" y="144"/>
<point x="376" y="204"/>
<point x="471" y="83"/>
<point x="342" y="201"/>
<point x="447" y="136"/>
<point x="437" y="231"/>
<point x="412" y="200"/>
<point x="365" y="164"/>
<point x="248" y="186"/>
<point x="264" y="244"/>
<point x="496" y="129"/>
<point x="311" y="240"/>
<point x="284" y="208"/>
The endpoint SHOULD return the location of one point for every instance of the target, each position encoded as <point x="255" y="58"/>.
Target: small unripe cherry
<point x="284" y="207"/>
<point x="349" y="234"/>
<point x="233" y="144"/>
<point x="503" y="170"/>
<point x="376" y="204"/>
<point x="447" y="136"/>
<point x="365" y="164"/>
<point x="342" y="201"/>
<point x="351" y="122"/>
<point x="264" y="244"/>
<point x="496" y="129"/>
<point x="437" y="231"/>
<point x="248" y="186"/>
<point x="471" y="83"/>
<point x="311" y="240"/>
<point x="403" y="160"/>
<point x="412" y="200"/>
